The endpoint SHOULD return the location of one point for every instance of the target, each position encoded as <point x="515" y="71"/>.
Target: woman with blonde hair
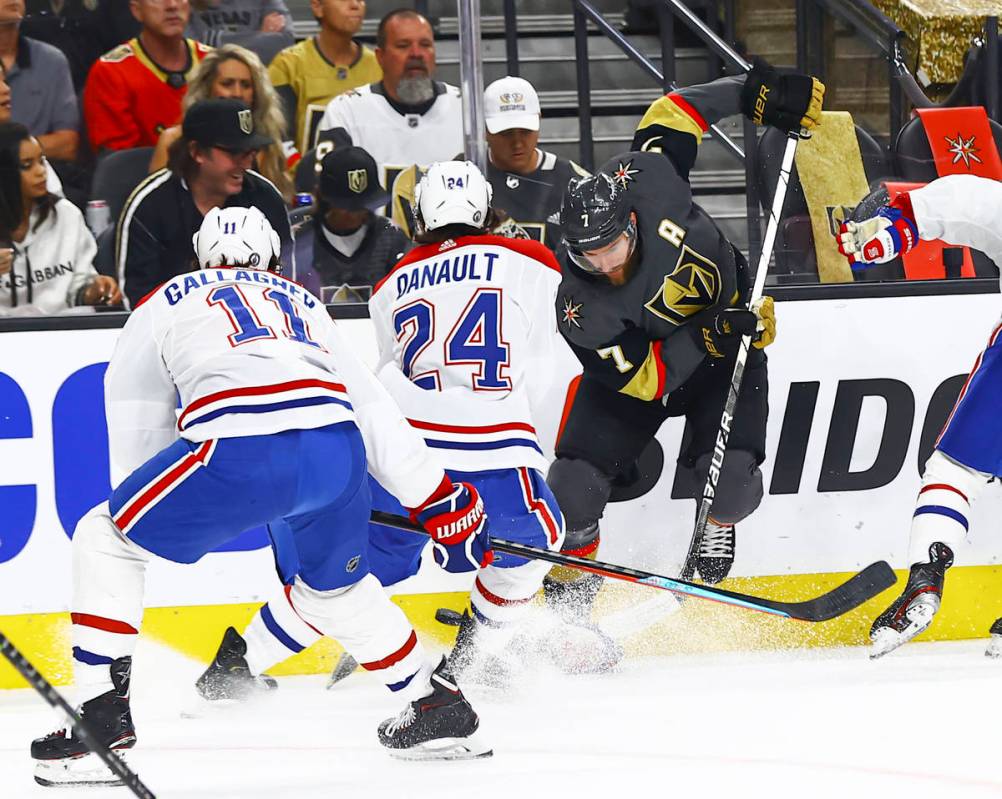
<point x="234" y="72"/>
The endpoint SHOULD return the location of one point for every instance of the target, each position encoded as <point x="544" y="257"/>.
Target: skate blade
<point x="85" y="770"/>
<point x="887" y="639"/>
<point x="445" y="749"/>
<point x="345" y="668"/>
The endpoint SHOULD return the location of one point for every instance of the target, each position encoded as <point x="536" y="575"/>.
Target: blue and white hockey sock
<point x="942" y="511"/>
<point x="277" y="632"/>
<point x="109" y="575"/>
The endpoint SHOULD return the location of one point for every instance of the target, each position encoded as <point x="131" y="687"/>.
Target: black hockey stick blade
<point x="851" y="594"/>
<point x="128" y="777"/>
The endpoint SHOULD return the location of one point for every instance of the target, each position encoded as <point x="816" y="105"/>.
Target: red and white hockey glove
<point x="881" y="238"/>
<point x="454" y="518"/>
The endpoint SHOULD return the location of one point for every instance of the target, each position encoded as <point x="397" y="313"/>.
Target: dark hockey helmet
<point x="594" y="213"/>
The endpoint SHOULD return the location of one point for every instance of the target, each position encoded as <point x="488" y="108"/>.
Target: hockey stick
<point x="851" y="594"/>
<point x="128" y="777"/>
<point x="724" y="431"/>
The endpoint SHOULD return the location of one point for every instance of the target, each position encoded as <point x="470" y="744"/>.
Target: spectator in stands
<point x="528" y="183"/>
<point x="208" y="168"/>
<point x="52" y="180"/>
<point x="135" y="91"/>
<point x="47" y="252"/>
<point x="346" y="249"/>
<point x="83" y="30"/>
<point x="42" y="90"/>
<point x="232" y="71"/>
<point x="212" y="20"/>
<point x="313" y="72"/>
<point x="408" y="117"/>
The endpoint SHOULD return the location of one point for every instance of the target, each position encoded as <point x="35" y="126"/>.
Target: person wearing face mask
<point x="135" y="90"/>
<point x="346" y="249"/>
<point x="46" y="250"/>
<point x="235" y="72"/>
<point x="210" y="166"/>
<point x="406" y="118"/>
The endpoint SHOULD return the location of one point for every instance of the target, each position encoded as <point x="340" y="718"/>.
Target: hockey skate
<point x="572" y="599"/>
<point x="912" y="612"/>
<point x="228" y="677"/>
<point x="61" y="757"/>
<point x="472" y="663"/>
<point x="439" y="726"/>
<point x="716" y="552"/>
<point x="994" y="649"/>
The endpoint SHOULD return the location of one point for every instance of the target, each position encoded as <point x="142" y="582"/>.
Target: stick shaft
<point x="79" y="725"/>
<point x="734" y="389"/>
<point x="851" y="594"/>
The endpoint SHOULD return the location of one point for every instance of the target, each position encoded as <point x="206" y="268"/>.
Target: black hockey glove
<point x="789" y="101"/>
<point x="721" y="331"/>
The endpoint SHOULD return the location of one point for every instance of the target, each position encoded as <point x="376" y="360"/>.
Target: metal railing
<point x="887" y="38"/>
<point x="585" y="12"/>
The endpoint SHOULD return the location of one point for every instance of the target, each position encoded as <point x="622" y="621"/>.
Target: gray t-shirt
<point x="42" y="96"/>
<point x="214" y="23"/>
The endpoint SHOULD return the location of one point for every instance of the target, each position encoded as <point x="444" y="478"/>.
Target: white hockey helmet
<point x="237" y="237"/>
<point x="452" y="193"/>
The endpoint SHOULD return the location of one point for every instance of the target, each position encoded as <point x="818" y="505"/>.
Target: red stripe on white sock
<point x="396" y="657"/>
<point x="102" y="623"/>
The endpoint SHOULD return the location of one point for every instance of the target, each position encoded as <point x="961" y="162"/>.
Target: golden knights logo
<point x="963" y="150"/>
<point x="358" y="180"/>
<point x="246" y="121"/>
<point x="691" y="287"/>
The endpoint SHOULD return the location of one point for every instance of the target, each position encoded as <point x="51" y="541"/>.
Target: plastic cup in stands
<point x="303" y="199"/>
<point x="98" y="216"/>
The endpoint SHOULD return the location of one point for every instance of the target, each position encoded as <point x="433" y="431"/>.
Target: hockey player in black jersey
<point x="652" y="302"/>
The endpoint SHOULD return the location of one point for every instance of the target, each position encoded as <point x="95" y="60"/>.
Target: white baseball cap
<point x="511" y="103"/>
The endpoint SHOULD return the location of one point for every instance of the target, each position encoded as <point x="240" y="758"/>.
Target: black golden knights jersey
<point x="636" y="338"/>
<point x="533" y="200"/>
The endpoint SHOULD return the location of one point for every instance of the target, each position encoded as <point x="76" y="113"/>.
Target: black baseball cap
<point x="349" y="180"/>
<point x="225" y="123"/>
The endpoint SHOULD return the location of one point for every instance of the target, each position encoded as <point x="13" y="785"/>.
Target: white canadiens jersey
<point x="467" y="341"/>
<point x="962" y="210"/>
<point x="394" y="140"/>
<point x="224" y="353"/>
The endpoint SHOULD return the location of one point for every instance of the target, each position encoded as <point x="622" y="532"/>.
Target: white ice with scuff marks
<point x="805" y="724"/>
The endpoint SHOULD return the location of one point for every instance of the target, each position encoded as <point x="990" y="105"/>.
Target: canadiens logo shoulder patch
<point x="693" y="285"/>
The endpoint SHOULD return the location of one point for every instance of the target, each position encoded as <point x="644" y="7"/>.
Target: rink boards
<point x="858" y="391"/>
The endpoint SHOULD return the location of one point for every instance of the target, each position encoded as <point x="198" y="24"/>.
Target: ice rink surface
<point x="808" y="723"/>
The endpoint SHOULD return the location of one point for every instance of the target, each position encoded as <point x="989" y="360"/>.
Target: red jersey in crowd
<point x="129" y="99"/>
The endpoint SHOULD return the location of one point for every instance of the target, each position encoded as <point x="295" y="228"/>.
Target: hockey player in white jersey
<point x="232" y="401"/>
<point x="961" y="210"/>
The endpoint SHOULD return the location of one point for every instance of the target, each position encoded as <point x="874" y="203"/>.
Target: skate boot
<point x="716" y="552"/>
<point x="912" y="612"/>
<point x="61" y="757"/>
<point x="439" y="726"/>
<point x="474" y="661"/>
<point x="572" y="599"/>
<point x="995" y="644"/>
<point x="228" y="676"/>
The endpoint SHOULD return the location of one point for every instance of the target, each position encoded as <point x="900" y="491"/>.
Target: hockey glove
<point x="881" y="238"/>
<point x="454" y="518"/>
<point x="788" y="101"/>
<point x="721" y="332"/>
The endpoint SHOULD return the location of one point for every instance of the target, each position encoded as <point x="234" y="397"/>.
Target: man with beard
<point x="406" y="118"/>
<point x="208" y="167"/>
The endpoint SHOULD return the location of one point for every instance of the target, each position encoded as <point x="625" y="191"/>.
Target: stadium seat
<point x="117" y="174"/>
<point x="794" y="251"/>
<point x="913" y="157"/>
